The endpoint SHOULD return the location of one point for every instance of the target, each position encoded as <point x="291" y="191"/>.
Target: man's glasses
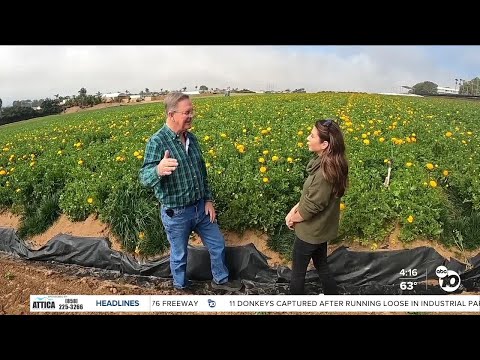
<point x="186" y="113"/>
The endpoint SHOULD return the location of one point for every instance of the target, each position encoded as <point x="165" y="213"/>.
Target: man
<point x="175" y="168"/>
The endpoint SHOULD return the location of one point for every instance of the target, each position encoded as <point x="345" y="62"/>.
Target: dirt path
<point x="19" y="278"/>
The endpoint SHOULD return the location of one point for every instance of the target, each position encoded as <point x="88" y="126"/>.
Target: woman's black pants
<point x="302" y="253"/>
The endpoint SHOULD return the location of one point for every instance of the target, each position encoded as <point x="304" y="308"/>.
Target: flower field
<point x="255" y="151"/>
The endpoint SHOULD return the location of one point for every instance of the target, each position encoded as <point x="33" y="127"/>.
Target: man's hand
<point x="209" y="209"/>
<point x="167" y="165"/>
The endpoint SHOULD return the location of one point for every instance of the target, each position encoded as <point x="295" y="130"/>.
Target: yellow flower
<point x="410" y="219"/>
<point x="445" y="172"/>
<point x="90" y="200"/>
<point x="263" y="169"/>
<point x="80" y="162"/>
<point x="265" y="152"/>
<point x="300" y="144"/>
<point x="366" y="142"/>
<point x="265" y="180"/>
<point x="408" y="164"/>
<point x="433" y="183"/>
<point x="448" y="134"/>
<point x="429" y="166"/>
<point x="342" y="206"/>
<point x="206" y="138"/>
<point x="300" y="133"/>
<point x="2" y="172"/>
<point x="136" y="153"/>
<point x="141" y="235"/>
<point x="261" y="160"/>
<point x="290" y="160"/>
<point x="381" y="139"/>
<point x="274" y="158"/>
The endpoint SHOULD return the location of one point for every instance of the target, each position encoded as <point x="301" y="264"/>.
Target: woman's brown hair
<point x="333" y="159"/>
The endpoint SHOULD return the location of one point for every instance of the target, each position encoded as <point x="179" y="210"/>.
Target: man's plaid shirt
<point x="188" y="183"/>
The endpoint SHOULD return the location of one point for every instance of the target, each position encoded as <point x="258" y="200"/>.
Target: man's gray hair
<point x="172" y="99"/>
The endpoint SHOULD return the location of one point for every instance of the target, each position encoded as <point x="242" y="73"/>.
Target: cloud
<point x="34" y="72"/>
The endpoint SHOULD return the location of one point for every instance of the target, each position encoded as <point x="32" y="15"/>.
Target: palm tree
<point x="456" y="82"/>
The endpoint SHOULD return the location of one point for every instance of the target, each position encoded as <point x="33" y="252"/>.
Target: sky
<point x="39" y="72"/>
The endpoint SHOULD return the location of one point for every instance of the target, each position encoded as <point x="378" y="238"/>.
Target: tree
<point x="469" y="87"/>
<point x="82" y="91"/>
<point x="1" y="103"/>
<point x="425" y="88"/>
<point x="50" y="106"/>
<point x="203" y="88"/>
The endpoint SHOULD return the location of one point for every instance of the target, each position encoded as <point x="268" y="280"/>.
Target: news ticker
<point x="255" y="303"/>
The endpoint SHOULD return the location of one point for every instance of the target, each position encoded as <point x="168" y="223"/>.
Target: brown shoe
<point x="231" y="285"/>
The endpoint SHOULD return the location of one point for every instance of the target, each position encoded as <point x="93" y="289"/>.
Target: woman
<point x="315" y="218"/>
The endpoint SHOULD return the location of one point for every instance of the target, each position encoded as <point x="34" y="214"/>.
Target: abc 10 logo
<point x="448" y="280"/>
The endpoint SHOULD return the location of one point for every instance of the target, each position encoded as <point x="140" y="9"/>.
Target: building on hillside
<point x="136" y="98"/>
<point x="447" y="90"/>
<point x="112" y="97"/>
<point x="153" y="98"/>
<point x="123" y="97"/>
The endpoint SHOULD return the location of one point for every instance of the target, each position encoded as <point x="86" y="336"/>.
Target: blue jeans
<point x="179" y="226"/>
